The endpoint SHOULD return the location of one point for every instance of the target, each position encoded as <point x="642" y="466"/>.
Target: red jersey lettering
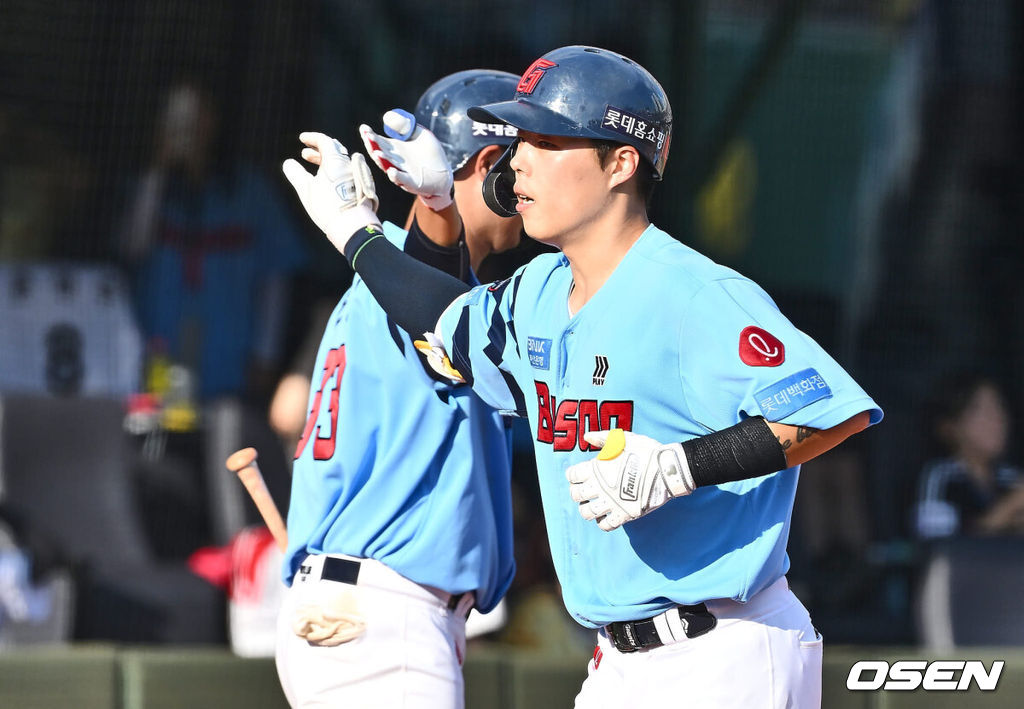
<point x="589" y="421"/>
<point x="545" y="419"/>
<point x="617" y="414"/>
<point x="323" y="446"/>
<point x="564" y="425"/>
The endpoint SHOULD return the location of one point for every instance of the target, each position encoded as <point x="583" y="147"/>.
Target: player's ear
<point x="623" y="162"/>
<point x="485" y="158"/>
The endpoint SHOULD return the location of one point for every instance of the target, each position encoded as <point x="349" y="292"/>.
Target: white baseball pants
<point x="762" y="654"/>
<point x="408" y="655"/>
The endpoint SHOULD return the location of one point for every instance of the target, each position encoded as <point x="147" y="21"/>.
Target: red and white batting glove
<point x="411" y="157"/>
<point x="631" y="476"/>
<point x="340" y="198"/>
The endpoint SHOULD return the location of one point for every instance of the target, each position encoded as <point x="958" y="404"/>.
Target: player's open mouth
<point x="523" y="201"/>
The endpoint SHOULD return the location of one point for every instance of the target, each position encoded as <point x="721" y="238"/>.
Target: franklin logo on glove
<point x="629" y="482"/>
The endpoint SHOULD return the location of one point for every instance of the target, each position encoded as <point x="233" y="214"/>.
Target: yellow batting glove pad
<point x="614" y="444"/>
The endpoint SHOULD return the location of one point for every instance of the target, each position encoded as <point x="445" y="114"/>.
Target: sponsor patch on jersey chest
<point x="539" y="351"/>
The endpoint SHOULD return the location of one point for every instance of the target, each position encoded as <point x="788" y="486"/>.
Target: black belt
<point x="633" y="635"/>
<point x="347" y="571"/>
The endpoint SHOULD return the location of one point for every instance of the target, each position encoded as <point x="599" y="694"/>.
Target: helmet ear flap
<point x="498" y="188"/>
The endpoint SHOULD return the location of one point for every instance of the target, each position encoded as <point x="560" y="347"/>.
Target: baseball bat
<point x="243" y="464"/>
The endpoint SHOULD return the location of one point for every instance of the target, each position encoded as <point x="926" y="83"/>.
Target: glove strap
<point x="672" y="463"/>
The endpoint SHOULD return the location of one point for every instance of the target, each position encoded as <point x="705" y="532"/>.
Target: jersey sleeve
<point x="740" y="357"/>
<point x="478" y="334"/>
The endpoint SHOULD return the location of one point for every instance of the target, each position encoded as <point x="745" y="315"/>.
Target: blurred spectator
<point x="970" y="489"/>
<point x="213" y="249"/>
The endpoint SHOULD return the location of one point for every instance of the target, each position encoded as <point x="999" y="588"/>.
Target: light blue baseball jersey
<point x="672" y="346"/>
<point x="396" y="466"/>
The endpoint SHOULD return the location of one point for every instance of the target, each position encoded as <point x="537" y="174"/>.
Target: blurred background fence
<point x="861" y="159"/>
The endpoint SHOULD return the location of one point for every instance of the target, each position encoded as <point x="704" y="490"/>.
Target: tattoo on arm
<point x="802" y="434"/>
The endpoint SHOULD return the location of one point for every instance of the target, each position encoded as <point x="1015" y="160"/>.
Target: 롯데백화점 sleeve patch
<point x="789" y="395"/>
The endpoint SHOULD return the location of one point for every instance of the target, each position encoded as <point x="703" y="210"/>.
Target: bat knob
<point x="240" y="460"/>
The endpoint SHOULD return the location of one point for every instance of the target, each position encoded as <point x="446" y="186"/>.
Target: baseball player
<point x="400" y="514"/>
<point x="671" y="402"/>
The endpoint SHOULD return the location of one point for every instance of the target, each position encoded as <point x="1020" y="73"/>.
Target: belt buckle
<point x="696" y="620"/>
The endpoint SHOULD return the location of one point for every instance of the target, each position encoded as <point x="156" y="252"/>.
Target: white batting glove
<point x="340" y="198"/>
<point x="411" y="157"/>
<point x="631" y="476"/>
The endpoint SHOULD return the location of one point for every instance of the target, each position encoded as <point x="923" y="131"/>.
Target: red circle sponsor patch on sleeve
<point x="760" y="348"/>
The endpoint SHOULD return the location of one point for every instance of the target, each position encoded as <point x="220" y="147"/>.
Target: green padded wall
<point x="56" y="677"/>
<point x="543" y="681"/>
<point x="182" y="678"/>
<point x="108" y="677"/>
<point x="484" y="676"/>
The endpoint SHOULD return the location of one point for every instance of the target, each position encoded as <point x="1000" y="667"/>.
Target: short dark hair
<point x="644" y="175"/>
<point x="951" y="393"/>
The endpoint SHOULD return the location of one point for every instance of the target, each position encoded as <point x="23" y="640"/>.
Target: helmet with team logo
<point x="582" y="92"/>
<point x="442" y="110"/>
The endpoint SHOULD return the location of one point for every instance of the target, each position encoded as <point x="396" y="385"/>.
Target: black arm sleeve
<point x="747" y="450"/>
<point x="413" y="294"/>
<point x="453" y="260"/>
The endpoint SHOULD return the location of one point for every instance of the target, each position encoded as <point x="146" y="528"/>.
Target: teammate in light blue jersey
<point x="368" y="477"/>
<point x="671" y="402"/>
<point x="400" y="513"/>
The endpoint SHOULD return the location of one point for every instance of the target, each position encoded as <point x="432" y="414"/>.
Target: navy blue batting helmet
<point x="442" y="110"/>
<point x="582" y="92"/>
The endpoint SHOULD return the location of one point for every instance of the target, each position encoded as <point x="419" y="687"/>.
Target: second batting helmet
<point x="582" y="92"/>
<point x="442" y="110"/>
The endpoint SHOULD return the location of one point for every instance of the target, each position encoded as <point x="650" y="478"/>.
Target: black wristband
<point x="358" y="240"/>
<point x="747" y="450"/>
